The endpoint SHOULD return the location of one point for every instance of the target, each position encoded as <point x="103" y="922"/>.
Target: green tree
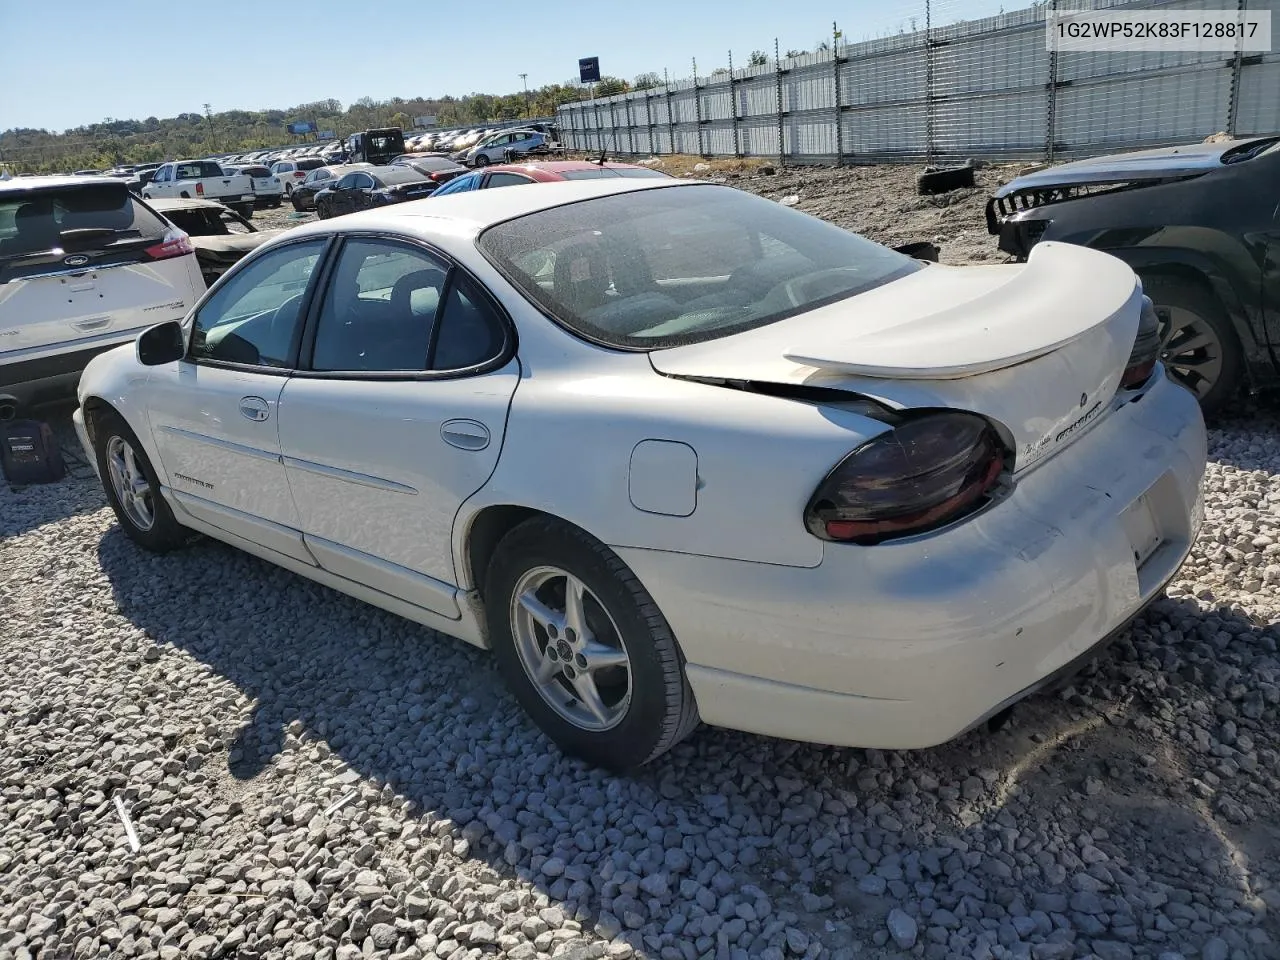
<point x="758" y="58"/>
<point x="646" y="81"/>
<point x="610" y="86"/>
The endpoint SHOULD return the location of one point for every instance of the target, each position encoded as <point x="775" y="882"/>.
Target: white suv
<point x="84" y="266"/>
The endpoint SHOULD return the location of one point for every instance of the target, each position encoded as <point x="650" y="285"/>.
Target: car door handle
<point x="254" y="408"/>
<point x="91" y="324"/>
<point x="465" y="434"/>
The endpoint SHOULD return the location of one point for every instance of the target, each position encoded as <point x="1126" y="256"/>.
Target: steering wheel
<point x="279" y="315"/>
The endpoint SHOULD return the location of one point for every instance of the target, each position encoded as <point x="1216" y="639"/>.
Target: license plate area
<point x="1144" y="533"/>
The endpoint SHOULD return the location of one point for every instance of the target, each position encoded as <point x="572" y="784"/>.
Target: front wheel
<point x="1198" y="344"/>
<point x="584" y="648"/>
<point x="288" y="190"/>
<point x="132" y="487"/>
<point x="246" y="211"/>
<point x="481" y="160"/>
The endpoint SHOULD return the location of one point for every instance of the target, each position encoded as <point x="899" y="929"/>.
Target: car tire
<point x="1195" y="329"/>
<point x="481" y="160"/>
<point x="246" y="210"/>
<point x="643" y="703"/>
<point x="297" y="204"/>
<point x="288" y="190"/>
<point x="132" y="487"/>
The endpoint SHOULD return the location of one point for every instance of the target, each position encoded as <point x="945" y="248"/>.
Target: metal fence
<point x="970" y="88"/>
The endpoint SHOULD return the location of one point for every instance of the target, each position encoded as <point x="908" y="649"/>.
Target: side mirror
<point x="163" y="343"/>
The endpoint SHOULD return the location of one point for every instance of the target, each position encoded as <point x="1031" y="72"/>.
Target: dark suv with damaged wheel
<point x="1200" y="225"/>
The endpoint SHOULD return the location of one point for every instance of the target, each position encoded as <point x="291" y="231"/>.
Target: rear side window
<point x="309" y="163"/>
<point x="72" y="218"/>
<point x="256" y="171"/>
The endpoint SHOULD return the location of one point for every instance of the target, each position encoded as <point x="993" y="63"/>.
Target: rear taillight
<point x="175" y="244"/>
<point x="199" y="189"/>
<point x="929" y="470"/>
<point x="299" y="173"/>
<point x="1146" y="349"/>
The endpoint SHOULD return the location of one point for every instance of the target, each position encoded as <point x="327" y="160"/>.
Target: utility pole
<point x="208" y="113"/>
<point x="524" y="79"/>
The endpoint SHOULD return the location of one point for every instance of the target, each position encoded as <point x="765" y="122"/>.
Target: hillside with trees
<point x="114" y="141"/>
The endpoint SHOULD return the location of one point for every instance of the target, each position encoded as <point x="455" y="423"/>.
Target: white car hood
<point x="1035" y="346"/>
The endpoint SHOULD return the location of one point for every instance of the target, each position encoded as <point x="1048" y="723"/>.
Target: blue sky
<point x="79" y="61"/>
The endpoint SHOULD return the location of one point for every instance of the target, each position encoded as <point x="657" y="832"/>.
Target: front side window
<point x="254" y="317"/>
<point x="362" y="181"/>
<point x="379" y="309"/>
<point x="658" y="268"/>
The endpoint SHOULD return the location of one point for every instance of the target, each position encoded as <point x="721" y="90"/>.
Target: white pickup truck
<point x="203" y="180"/>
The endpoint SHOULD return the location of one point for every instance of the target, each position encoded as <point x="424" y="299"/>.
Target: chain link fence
<point x="946" y="89"/>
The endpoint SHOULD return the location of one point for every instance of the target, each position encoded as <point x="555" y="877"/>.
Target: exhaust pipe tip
<point x="8" y="407"/>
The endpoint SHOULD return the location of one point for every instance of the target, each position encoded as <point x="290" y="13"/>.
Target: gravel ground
<point x="310" y="777"/>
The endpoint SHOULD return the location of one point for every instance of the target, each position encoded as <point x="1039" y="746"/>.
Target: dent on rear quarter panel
<point x="570" y="440"/>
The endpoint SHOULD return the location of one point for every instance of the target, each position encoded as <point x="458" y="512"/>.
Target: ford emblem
<point x="79" y="260"/>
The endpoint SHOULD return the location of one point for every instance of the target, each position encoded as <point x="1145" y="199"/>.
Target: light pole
<point x="524" y="79"/>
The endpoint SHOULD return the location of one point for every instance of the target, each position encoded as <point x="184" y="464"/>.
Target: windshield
<point x="659" y="268"/>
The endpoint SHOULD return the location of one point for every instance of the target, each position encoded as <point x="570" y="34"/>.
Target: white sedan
<point x="675" y="452"/>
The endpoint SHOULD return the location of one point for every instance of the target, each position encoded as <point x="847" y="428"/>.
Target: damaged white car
<point x="675" y="452"/>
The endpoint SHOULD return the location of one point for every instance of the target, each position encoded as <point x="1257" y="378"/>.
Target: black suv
<point x="1199" y="224"/>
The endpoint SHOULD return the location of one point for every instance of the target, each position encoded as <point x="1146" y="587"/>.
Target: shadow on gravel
<point x="834" y="838"/>
<point x="23" y="509"/>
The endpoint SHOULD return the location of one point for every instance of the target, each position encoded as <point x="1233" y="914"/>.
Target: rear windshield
<point x="659" y="268"/>
<point x="309" y="163"/>
<point x="434" y="163"/>
<point x="399" y="175"/>
<point x="597" y="173"/>
<point x="34" y="222"/>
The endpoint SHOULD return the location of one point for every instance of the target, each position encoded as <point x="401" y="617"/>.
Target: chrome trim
<point x="76" y="271"/>
<point x="350" y="476"/>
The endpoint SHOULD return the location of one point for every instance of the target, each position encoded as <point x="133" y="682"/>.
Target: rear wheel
<point x="1198" y="344"/>
<point x="246" y="210"/>
<point x="132" y="487"/>
<point x="288" y="190"/>
<point x="584" y="648"/>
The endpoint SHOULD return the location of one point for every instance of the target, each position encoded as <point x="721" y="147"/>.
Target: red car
<point x="515" y="174"/>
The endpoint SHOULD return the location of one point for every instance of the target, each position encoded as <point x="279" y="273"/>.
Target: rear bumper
<point x="909" y="644"/>
<point x="53" y="377"/>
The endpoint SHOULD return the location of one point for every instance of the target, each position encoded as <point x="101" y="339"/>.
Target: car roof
<point x="476" y="210"/>
<point x="559" y="166"/>
<point x="54" y="180"/>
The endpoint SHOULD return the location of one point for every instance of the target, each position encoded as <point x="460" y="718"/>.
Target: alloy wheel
<point x="130" y="484"/>
<point x="1190" y="348"/>
<point x="571" y="648"/>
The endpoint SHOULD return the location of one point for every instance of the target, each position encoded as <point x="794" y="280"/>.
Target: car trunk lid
<point x="1039" y="348"/>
